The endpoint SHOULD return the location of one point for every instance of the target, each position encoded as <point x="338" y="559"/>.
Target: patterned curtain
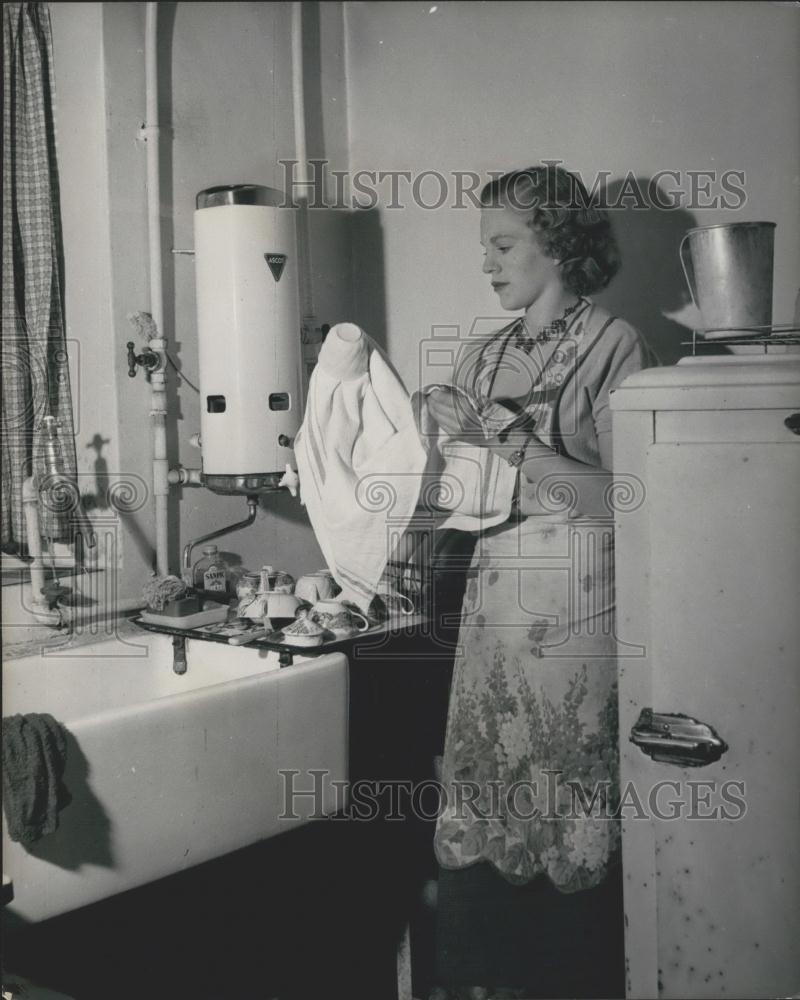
<point x="35" y="376"/>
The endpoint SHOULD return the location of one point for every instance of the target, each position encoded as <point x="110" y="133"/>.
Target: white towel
<point x="359" y="458"/>
<point x="470" y="486"/>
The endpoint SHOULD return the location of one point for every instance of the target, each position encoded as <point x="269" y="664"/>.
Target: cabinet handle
<point x="793" y="423"/>
<point x="676" y="739"/>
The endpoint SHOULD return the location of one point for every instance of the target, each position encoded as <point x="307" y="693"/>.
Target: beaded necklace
<point x="525" y="340"/>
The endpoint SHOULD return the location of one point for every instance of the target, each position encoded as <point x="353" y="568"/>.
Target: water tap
<point x="148" y="359"/>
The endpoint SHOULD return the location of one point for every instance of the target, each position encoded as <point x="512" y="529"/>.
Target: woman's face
<point x="520" y="271"/>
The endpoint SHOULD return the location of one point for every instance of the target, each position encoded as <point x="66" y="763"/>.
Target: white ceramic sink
<point x="165" y="770"/>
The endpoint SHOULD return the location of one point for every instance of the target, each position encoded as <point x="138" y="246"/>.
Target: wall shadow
<point x="312" y="80"/>
<point x="369" y="273"/>
<point x="650" y="282"/>
<point x="353" y="236"/>
<point x="283" y="506"/>
<point x="98" y="497"/>
<point x="83" y="836"/>
<point x="165" y="35"/>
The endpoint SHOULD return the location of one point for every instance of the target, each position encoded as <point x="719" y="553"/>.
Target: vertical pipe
<point x="153" y="186"/>
<point x="158" y="414"/>
<point x="298" y="94"/>
<point x="301" y="155"/>
<point x="30" y="506"/>
<point x="158" y="411"/>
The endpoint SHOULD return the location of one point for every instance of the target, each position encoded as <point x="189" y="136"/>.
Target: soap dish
<point x="210" y="615"/>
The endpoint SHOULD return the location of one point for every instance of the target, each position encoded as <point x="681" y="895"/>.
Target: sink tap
<point x="252" y="506"/>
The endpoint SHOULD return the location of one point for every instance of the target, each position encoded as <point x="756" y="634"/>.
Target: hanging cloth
<point x="360" y="460"/>
<point x="35" y="375"/>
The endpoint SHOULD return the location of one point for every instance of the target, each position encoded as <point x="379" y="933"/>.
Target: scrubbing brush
<point x="163" y="591"/>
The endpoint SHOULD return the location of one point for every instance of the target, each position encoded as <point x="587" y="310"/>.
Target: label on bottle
<point x="214" y="579"/>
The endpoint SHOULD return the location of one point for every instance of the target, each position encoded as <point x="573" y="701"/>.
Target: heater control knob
<point x="290" y="480"/>
<point x="284" y="441"/>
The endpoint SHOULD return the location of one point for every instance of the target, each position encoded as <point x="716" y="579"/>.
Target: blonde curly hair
<point x="569" y="228"/>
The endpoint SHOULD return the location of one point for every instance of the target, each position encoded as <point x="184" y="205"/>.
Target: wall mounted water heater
<point x="248" y="323"/>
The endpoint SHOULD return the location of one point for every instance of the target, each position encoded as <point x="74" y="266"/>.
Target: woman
<point x="529" y="900"/>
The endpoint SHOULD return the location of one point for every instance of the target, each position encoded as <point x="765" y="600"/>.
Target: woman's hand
<point x="456" y="415"/>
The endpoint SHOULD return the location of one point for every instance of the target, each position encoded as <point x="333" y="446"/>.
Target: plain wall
<point x="617" y="87"/>
<point x="85" y="210"/>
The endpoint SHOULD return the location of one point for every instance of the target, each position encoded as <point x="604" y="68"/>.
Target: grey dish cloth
<point x="34" y="758"/>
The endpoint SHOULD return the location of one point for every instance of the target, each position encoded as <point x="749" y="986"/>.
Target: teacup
<point x="281" y="608"/>
<point x="339" y="618"/>
<point x="394" y="601"/>
<point x="282" y="583"/>
<point x="247" y="585"/>
<point x="319" y="586"/>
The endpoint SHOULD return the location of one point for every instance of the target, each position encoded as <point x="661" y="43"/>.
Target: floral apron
<point x="530" y="766"/>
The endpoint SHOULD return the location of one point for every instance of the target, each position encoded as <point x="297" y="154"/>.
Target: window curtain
<point x="35" y="374"/>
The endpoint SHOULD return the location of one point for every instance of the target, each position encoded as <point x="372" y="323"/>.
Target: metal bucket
<point x="728" y="269"/>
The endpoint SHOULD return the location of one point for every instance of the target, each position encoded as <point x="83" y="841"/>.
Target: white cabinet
<point x="708" y="567"/>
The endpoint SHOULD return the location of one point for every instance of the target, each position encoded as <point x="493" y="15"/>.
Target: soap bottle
<point x="211" y="572"/>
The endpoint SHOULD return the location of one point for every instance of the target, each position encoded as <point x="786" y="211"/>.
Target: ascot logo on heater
<point x="276" y="263"/>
